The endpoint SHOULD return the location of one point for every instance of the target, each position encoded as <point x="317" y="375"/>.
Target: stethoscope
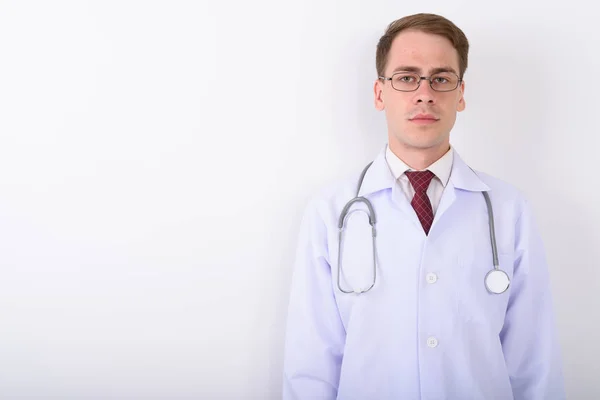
<point x="496" y="280"/>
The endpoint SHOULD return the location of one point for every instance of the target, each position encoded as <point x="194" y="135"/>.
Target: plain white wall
<point x="156" y="156"/>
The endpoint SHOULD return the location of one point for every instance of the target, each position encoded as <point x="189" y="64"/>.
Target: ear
<point x="461" y="102"/>
<point x="378" y="93"/>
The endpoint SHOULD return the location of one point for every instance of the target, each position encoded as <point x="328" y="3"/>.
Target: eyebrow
<point x="407" y="68"/>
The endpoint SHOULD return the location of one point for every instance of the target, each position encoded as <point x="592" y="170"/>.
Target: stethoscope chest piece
<point x="497" y="281"/>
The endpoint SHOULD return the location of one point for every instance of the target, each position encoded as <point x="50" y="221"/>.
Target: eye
<point x="444" y="79"/>
<point x="405" y="78"/>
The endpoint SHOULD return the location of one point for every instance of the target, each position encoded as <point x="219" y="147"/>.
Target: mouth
<point x="424" y="119"/>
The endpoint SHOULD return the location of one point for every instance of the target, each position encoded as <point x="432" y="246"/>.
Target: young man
<point x="433" y="284"/>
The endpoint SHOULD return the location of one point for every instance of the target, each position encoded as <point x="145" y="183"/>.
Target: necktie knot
<point x="420" y="180"/>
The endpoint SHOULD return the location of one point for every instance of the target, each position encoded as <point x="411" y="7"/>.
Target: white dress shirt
<point x="441" y="169"/>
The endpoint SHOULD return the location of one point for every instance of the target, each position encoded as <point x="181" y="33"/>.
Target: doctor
<point x="397" y="304"/>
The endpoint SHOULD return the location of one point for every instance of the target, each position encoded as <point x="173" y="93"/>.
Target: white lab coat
<point x="428" y="329"/>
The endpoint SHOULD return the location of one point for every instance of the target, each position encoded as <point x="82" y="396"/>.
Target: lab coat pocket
<point x="476" y="303"/>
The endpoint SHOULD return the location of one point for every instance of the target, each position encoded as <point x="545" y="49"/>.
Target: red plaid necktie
<point x="420" y="181"/>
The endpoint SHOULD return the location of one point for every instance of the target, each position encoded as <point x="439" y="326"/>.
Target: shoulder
<point x="329" y="199"/>
<point x="505" y="194"/>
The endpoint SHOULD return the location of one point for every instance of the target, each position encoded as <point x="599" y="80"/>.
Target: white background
<point x="156" y="156"/>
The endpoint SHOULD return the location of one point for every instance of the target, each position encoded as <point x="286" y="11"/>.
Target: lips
<point x="424" y="117"/>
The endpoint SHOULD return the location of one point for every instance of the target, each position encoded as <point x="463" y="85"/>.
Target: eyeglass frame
<point x="422" y="78"/>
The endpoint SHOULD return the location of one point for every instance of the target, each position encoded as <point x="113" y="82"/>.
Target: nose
<point x="424" y="93"/>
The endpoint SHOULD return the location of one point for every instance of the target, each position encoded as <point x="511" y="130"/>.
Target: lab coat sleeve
<point x="315" y="335"/>
<point x="529" y="336"/>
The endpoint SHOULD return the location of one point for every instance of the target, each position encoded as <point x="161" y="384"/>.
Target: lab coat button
<point x="431" y="278"/>
<point x="432" y="342"/>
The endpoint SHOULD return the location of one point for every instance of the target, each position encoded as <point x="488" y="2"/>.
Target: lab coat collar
<point x="465" y="178"/>
<point x="379" y="177"/>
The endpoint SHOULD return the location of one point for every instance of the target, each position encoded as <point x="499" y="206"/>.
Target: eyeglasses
<point x="409" y="82"/>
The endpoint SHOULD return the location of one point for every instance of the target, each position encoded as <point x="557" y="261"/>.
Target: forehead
<point x="422" y="50"/>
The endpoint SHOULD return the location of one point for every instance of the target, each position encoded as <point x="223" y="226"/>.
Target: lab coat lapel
<point x="379" y="177"/>
<point x="448" y="197"/>
<point x="462" y="177"/>
<point x="400" y="200"/>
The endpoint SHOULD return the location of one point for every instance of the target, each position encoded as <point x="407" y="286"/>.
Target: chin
<point x="419" y="137"/>
<point x="424" y="146"/>
<point x="424" y="141"/>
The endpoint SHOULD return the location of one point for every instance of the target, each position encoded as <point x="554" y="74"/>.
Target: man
<point x="407" y="310"/>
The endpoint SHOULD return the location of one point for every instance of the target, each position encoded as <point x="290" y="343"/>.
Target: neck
<point x="418" y="158"/>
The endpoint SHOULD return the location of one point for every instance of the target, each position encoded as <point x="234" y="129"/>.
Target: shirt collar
<point x="379" y="176"/>
<point x="441" y="168"/>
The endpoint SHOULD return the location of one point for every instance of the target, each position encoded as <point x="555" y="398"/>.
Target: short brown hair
<point x="428" y="23"/>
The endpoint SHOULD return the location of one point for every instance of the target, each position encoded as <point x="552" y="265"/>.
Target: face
<point x="420" y="120"/>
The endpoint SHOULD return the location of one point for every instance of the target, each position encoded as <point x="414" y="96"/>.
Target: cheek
<point x="450" y="108"/>
<point x="396" y="116"/>
<point x="395" y="107"/>
<point x="449" y="121"/>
